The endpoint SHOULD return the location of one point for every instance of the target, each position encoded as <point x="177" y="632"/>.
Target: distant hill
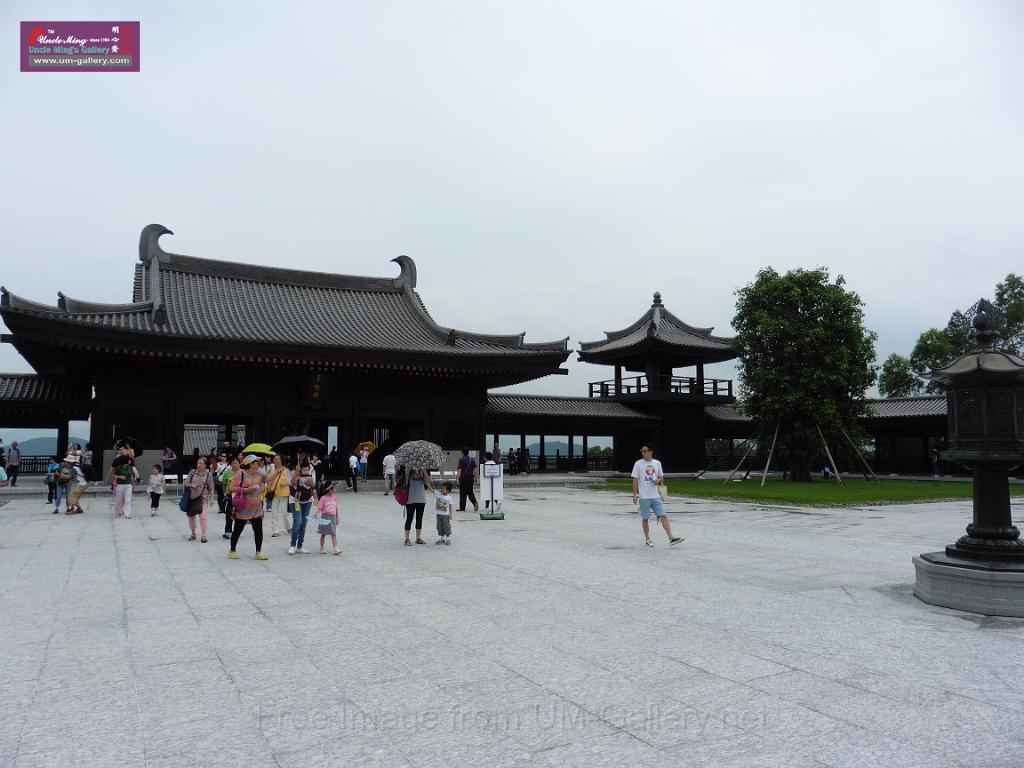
<point x="43" y="446"/>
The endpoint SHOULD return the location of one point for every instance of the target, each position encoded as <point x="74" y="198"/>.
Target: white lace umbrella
<point x="420" y="454"/>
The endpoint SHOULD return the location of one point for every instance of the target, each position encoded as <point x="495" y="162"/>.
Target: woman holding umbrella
<point x="248" y="505"/>
<point x="419" y="483"/>
<point x="418" y="457"/>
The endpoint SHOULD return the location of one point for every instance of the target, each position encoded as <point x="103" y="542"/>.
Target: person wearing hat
<point x="122" y="475"/>
<point x="79" y="485"/>
<point x="247" y="500"/>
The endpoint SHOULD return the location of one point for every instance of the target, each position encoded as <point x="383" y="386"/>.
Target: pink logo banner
<point x="79" y="46"/>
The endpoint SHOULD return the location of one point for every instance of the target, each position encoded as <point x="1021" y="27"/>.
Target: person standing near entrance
<point x="227" y="478"/>
<point x="122" y="475"/>
<point x="278" y="490"/>
<point x="390" y="468"/>
<point x="353" y="472"/>
<point x="248" y="505"/>
<point x="647" y="476"/>
<point x="465" y="474"/>
<point x="303" y="489"/>
<point x="79" y="485"/>
<point x="364" y="460"/>
<point x="13" y="463"/>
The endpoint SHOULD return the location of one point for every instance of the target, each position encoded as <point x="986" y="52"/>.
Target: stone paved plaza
<point x="773" y="636"/>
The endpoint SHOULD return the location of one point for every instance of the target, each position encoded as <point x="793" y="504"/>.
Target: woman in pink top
<point x="327" y="519"/>
<point x="247" y="506"/>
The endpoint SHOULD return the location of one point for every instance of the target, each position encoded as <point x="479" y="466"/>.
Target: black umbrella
<point x="129" y="442"/>
<point x="294" y="442"/>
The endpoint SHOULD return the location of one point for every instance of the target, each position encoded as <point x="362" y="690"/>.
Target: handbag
<point x="324" y="522"/>
<point x="195" y="506"/>
<point x="401" y="487"/>
<point x="186" y="497"/>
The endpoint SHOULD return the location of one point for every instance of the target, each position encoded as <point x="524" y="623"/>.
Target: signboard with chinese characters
<point x="79" y="46"/>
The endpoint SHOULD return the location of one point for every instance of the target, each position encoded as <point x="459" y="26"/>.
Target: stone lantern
<point x="983" y="571"/>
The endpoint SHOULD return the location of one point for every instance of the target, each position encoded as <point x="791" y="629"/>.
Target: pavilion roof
<point x="218" y="304"/>
<point x="658" y="331"/>
<point x="919" y="406"/>
<point x="29" y="393"/>
<point x="546" y="408"/>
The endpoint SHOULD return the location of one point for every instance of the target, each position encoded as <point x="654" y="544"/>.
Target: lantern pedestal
<point x="992" y="588"/>
<point x="984" y="571"/>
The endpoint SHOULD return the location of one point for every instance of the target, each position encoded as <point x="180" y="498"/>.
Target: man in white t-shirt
<point x="647" y="476"/>
<point x="390" y="468"/>
<point x="353" y="472"/>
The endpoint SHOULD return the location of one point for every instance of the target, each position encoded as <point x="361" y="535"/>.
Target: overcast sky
<point x="548" y="165"/>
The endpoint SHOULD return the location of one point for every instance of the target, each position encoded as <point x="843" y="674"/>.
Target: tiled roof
<point x="28" y="387"/>
<point x="880" y="408"/>
<point x="658" y="325"/>
<point x="907" y="407"/>
<point x="524" y="407"/>
<point x="727" y="413"/>
<point x="202" y="299"/>
<point x="27" y="391"/>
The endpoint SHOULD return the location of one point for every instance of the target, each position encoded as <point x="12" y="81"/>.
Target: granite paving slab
<point x="774" y="636"/>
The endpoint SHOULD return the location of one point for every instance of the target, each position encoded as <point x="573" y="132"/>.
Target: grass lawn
<point x="825" y="492"/>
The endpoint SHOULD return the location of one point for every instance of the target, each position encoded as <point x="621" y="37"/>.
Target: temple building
<point x="280" y="351"/>
<point x="207" y="351"/>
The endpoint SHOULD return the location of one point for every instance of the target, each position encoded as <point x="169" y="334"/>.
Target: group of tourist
<point x="518" y="461"/>
<point x="246" y="489"/>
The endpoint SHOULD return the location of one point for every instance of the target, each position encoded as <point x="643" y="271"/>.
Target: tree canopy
<point x="937" y="347"/>
<point x="805" y="359"/>
<point x="897" y="378"/>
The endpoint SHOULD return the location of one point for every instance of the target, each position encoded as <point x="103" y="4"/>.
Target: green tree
<point x="1010" y="303"/>
<point x="897" y="378"/>
<point x="933" y="349"/>
<point x="806" y="359"/>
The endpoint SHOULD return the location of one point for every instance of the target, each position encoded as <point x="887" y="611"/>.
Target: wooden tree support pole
<point x="731" y="474"/>
<point x="770" y="452"/>
<point x="860" y="456"/>
<point x="707" y="469"/>
<point x="829" y="454"/>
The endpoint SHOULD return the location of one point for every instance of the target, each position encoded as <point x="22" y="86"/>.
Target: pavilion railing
<point x="675" y="385"/>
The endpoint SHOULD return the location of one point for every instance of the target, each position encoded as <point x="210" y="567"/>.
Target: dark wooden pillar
<point x="571" y="455"/>
<point x="618" y="380"/>
<point x="700" y="377"/>
<point x="586" y="455"/>
<point x="541" y="460"/>
<point x="63" y="438"/>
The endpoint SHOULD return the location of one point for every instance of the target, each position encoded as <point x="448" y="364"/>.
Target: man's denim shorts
<point x="651" y="505"/>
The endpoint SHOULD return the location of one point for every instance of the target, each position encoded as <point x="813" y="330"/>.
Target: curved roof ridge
<point x="13" y="301"/>
<point x="615" y="335"/>
<point x="150" y="249"/>
<point x="686" y="326"/>
<point x="79" y="307"/>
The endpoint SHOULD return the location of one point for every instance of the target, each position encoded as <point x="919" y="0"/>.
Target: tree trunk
<point x="800" y="468"/>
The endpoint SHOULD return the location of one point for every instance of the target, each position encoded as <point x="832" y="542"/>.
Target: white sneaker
<point x="291" y="550"/>
<point x="650" y="543"/>
<point x="302" y="551"/>
<point x="127" y="516"/>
